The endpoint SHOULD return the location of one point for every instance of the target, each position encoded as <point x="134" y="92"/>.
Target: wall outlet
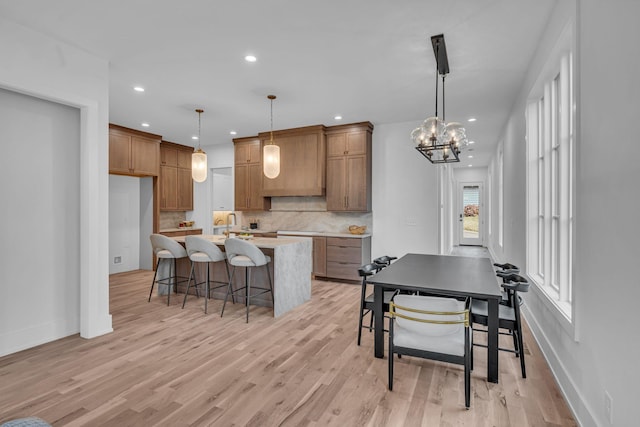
<point x="117" y="260"/>
<point x="608" y="407"/>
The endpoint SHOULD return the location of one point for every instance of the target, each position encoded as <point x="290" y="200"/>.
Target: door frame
<point x="459" y="212"/>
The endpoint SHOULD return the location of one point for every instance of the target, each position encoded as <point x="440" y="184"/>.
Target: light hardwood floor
<point x="171" y="367"/>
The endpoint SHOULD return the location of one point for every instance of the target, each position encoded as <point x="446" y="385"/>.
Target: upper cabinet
<point x="132" y="152"/>
<point x="176" y="184"/>
<point x="248" y="176"/>
<point x="349" y="167"/>
<point x="302" y="162"/>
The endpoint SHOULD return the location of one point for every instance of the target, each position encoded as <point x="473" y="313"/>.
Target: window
<point x="550" y="180"/>
<point x="500" y="199"/>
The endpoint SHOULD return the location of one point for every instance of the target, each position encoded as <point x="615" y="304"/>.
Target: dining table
<point x="445" y="276"/>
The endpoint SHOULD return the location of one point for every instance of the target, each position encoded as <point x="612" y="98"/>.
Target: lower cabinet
<point x="345" y="255"/>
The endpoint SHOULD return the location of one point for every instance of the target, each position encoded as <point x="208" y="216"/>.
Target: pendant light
<point x="438" y="141"/>
<point x="199" y="158"/>
<point x="271" y="152"/>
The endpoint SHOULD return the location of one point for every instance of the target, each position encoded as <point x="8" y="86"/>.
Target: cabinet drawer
<point x="344" y="254"/>
<point x="343" y="270"/>
<point x="344" y="241"/>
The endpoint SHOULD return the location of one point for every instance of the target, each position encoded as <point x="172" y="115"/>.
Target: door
<point x="470" y="214"/>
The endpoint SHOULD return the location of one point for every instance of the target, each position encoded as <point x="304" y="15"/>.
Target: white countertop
<point x="322" y="234"/>
<point x="261" y="242"/>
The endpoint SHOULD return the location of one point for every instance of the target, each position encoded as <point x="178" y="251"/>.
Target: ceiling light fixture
<point x="250" y="58"/>
<point x="271" y="153"/>
<point x="138" y="88"/>
<point x="233" y="132"/>
<point x="438" y="141"/>
<point x="338" y="117"/>
<point x="472" y="119"/>
<point x="145" y="124"/>
<point x="199" y="158"/>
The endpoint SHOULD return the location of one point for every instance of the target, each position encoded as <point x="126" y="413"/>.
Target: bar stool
<point x="505" y="270"/>
<point x="201" y="250"/>
<point x="165" y="248"/>
<point x="241" y="253"/>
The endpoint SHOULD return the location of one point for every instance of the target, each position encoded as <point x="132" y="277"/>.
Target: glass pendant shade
<point x="199" y="165"/>
<point x="271" y="160"/>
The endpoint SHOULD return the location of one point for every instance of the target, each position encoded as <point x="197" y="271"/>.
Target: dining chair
<point x="201" y="250"/>
<point x="165" y="248"/>
<point x="241" y="253"/>
<point x="508" y="316"/>
<point x="503" y="271"/>
<point x="366" y="301"/>
<point x="384" y="261"/>
<point x="433" y="328"/>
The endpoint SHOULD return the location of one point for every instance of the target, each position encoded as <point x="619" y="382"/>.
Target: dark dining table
<point x="441" y="275"/>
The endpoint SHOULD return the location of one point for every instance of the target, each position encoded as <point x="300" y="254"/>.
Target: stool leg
<point x="206" y="299"/>
<point x="154" y="279"/>
<point x="189" y="284"/>
<point x="247" y="290"/>
<point x="170" y="281"/>
<point x="270" y="286"/>
<point x="226" y="264"/>
<point x="228" y="290"/>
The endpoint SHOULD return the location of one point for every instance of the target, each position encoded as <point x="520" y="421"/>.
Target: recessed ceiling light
<point x="233" y="132"/>
<point x="472" y="142"/>
<point x="250" y="58"/>
<point x="470" y="165"/>
<point x="146" y="125"/>
<point x="470" y="157"/>
<point x="338" y="117"/>
<point x="472" y="119"/>
<point x="138" y="88"/>
<point x="194" y="137"/>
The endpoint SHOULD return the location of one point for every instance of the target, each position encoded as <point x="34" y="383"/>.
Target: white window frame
<point x="550" y="136"/>
<point x="501" y="198"/>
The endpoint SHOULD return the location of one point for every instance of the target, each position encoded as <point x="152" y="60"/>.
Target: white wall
<point x="37" y="65"/>
<point x="602" y="353"/>
<point x="124" y="223"/>
<point x="39" y="222"/>
<point x="405" y="194"/>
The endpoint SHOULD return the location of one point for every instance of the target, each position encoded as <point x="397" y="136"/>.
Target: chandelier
<point x="199" y="158"/>
<point x="271" y="152"/>
<point x="438" y="141"/>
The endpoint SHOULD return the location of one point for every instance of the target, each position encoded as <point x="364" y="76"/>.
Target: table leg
<point x="378" y="321"/>
<point x="492" y="347"/>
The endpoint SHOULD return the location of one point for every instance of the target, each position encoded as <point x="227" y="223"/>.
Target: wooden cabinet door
<point x="145" y="156"/>
<point x="336" y="144"/>
<point x="256" y="201"/>
<point x="184" y="189"/>
<point x="119" y="153"/>
<point x="247" y="152"/>
<point x="184" y="159"/>
<point x="168" y="156"/>
<point x="336" y="179"/>
<point x="356" y="143"/>
<point x="168" y="188"/>
<point x="356" y="183"/>
<point x="320" y="256"/>
<point x="241" y="188"/>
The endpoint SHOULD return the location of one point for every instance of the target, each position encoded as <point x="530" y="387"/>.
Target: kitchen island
<point x="290" y="268"/>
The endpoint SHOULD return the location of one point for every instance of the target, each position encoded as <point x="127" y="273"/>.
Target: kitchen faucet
<point x="228" y="216"/>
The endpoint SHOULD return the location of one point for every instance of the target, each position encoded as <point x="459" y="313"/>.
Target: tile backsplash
<point x="305" y="214"/>
<point x="171" y="219"/>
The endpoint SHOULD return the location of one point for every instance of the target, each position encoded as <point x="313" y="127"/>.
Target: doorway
<point x="470" y="216"/>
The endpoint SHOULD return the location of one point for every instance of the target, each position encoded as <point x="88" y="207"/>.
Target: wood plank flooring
<point x="166" y="366"/>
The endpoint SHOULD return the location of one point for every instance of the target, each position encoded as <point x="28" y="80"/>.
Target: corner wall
<point x="36" y="65"/>
<point x="601" y="354"/>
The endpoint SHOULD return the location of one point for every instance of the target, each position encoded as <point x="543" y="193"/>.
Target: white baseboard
<point x="32" y="336"/>
<point x="579" y="408"/>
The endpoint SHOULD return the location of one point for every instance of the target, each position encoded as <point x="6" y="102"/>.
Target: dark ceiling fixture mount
<point x="438" y="141"/>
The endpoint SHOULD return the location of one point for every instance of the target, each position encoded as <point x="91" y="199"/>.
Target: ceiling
<point x="361" y="59"/>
